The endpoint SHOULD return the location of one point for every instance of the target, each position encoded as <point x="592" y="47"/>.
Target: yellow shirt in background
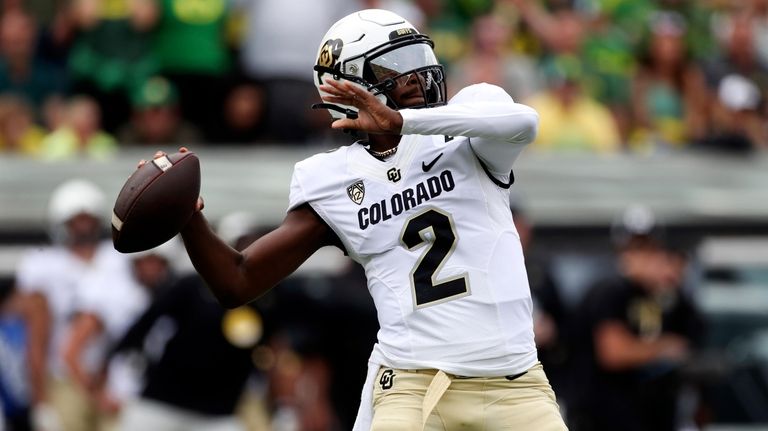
<point x="587" y="126"/>
<point x="64" y="144"/>
<point x="30" y="143"/>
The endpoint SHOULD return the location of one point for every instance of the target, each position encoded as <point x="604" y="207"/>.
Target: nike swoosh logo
<point x="427" y="166"/>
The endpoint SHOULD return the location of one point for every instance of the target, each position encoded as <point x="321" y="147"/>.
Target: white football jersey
<point x="58" y="274"/>
<point x="443" y="260"/>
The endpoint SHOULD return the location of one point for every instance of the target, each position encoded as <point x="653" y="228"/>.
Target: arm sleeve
<point x="498" y="128"/>
<point x="296" y="196"/>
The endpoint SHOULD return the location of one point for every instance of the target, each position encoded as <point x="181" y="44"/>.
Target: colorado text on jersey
<point x="403" y="201"/>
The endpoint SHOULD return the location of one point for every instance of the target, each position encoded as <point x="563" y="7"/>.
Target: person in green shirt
<point x="111" y="53"/>
<point x="189" y="43"/>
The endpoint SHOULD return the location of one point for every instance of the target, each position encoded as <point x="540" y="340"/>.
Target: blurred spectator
<point x="669" y="95"/>
<point x="449" y="23"/>
<point x="627" y="16"/>
<point x="196" y="375"/>
<point x="737" y="54"/>
<point x="199" y="354"/>
<point x="561" y="29"/>
<point x="111" y="54"/>
<point x="697" y="15"/>
<point x="14" y="387"/>
<point x="48" y="281"/>
<point x="156" y="117"/>
<point x="18" y="132"/>
<point x="189" y="41"/>
<point x="21" y="71"/>
<point x="550" y="322"/>
<point x="54" y="113"/>
<point x="489" y="60"/>
<point x="280" y="57"/>
<point x="739" y="83"/>
<point x="758" y="11"/>
<point x="738" y="124"/>
<point x="80" y="134"/>
<point x="102" y="317"/>
<point x="244" y="114"/>
<point x="609" y="59"/>
<point x="570" y="120"/>
<point x="638" y="330"/>
<point x="602" y="36"/>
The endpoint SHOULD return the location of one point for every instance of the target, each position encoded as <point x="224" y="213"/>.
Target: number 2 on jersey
<point x="435" y="229"/>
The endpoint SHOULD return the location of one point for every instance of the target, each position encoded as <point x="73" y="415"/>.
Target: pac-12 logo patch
<point x="356" y="192"/>
<point x="387" y="379"/>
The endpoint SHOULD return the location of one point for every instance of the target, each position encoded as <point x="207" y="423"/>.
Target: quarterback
<point x="422" y="203"/>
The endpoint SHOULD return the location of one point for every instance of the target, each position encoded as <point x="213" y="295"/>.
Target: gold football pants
<point x="415" y="400"/>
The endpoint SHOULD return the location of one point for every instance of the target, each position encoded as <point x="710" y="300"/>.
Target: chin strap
<point x="352" y="115"/>
<point x="349" y="113"/>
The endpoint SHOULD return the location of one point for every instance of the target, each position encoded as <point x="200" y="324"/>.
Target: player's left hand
<point x="373" y="115"/>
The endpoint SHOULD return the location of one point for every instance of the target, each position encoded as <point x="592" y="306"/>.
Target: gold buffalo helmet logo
<point x="329" y="53"/>
<point x="326" y="58"/>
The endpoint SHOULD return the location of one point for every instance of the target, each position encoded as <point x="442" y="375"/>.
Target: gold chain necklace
<point x="383" y="154"/>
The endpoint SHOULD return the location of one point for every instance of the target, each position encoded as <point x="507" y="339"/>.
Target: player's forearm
<point x="629" y="355"/>
<point x="37" y="317"/>
<point x="618" y="349"/>
<point x="218" y="263"/>
<point x="78" y="374"/>
<point x="509" y="122"/>
<point x="83" y="330"/>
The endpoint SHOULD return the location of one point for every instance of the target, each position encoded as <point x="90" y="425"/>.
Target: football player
<point x="422" y="204"/>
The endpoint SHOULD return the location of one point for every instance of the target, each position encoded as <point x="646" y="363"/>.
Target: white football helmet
<point x="73" y="197"/>
<point x="380" y="51"/>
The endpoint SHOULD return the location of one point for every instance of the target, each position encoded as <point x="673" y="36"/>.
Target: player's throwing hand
<point x="373" y="115"/>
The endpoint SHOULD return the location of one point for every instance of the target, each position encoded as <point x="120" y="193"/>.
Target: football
<point x="156" y="202"/>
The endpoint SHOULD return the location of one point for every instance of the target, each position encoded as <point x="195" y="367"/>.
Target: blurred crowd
<point x="83" y="77"/>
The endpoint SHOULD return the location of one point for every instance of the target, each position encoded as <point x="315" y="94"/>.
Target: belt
<point x="437" y="388"/>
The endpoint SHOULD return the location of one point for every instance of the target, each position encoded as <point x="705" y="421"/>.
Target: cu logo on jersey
<point x="393" y="175"/>
<point x="387" y="379"/>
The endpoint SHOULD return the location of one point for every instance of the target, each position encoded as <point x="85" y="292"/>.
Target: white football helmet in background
<point x="379" y="50"/>
<point x="72" y="198"/>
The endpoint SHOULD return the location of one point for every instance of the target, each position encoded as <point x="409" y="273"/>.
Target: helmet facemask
<point x="407" y="73"/>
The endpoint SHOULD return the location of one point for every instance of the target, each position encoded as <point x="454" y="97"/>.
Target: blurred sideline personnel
<point x="423" y="205"/>
<point x="103" y="316"/>
<point x="48" y="280"/>
<point x="198" y="359"/>
<point x="550" y="316"/>
<point x="640" y="329"/>
<point x="14" y="385"/>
